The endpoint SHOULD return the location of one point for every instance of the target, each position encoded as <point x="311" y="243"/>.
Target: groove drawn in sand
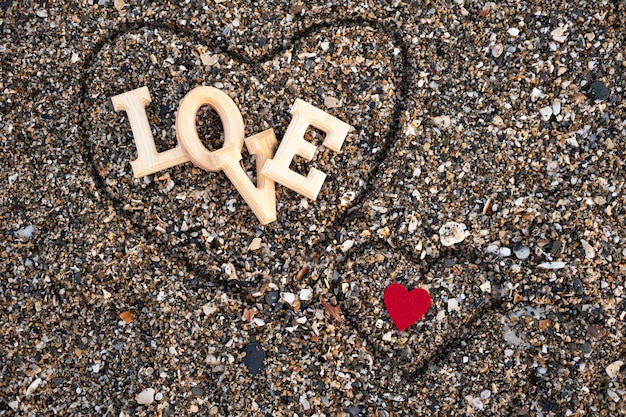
<point x="329" y="65"/>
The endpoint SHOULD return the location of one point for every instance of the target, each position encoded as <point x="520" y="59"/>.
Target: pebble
<point x="255" y="358"/>
<point x="354" y="411"/>
<point x="503" y="252"/>
<point x="453" y="305"/>
<point x="442" y="122"/>
<point x="552" y="265"/>
<point x="496" y="50"/>
<point x="332" y="102"/>
<point x="255" y="244"/>
<point x="271" y="298"/>
<point x="513" y="31"/>
<point x="26" y="232"/>
<point x="306" y="294"/>
<point x="289" y="297"/>
<point x="347" y="245"/>
<point x="521" y="252"/>
<point x="145" y="397"/>
<point x="590" y="253"/>
<point x="599" y="90"/>
<point x="613" y="369"/>
<point x="558" y="34"/>
<point x="596" y="331"/>
<point x="33" y="386"/>
<point x="612" y="395"/>
<point x="546" y="113"/>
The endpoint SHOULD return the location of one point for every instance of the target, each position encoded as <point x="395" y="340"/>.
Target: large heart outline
<point x="325" y="218"/>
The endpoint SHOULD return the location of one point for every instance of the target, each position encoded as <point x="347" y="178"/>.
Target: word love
<point x="270" y="169"/>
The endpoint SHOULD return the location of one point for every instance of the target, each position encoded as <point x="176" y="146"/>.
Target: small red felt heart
<point x="406" y="307"/>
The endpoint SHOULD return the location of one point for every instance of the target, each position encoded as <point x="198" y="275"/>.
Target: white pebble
<point x="558" y="31"/>
<point x="345" y="247"/>
<point x="442" y="122"/>
<point x="332" y="102"/>
<point x="552" y="265"/>
<point x="26" y="232"/>
<point x="613" y="369"/>
<point x="558" y="34"/>
<point x="536" y="93"/>
<point x="478" y="403"/>
<point x="255" y="244"/>
<point x="305" y="403"/>
<point x="513" y="31"/>
<point x="613" y="395"/>
<point x="306" y="294"/>
<point x="496" y="50"/>
<point x="231" y="205"/>
<point x="546" y="113"/>
<point x="42" y="13"/>
<point x="485" y="394"/>
<point x="289" y="297"/>
<point x="33" y="386"/>
<point x="145" y="397"/>
<point x="590" y="253"/>
<point x="453" y="305"/>
<point x="492" y="249"/>
<point x="413" y="223"/>
<point x="522" y="253"/>
<point x="556" y="108"/>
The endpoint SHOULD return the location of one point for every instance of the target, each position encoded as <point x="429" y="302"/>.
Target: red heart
<point x="404" y="307"/>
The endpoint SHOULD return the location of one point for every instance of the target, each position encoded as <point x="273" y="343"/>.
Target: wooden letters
<point x="261" y="199"/>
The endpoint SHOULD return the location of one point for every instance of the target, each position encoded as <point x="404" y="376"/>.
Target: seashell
<point x="332" y="102"/>
<point x="442" y="122"/>
<point x="452" y="232"/>
<point x="145" y="397"/>
<point x="496" y="50"/>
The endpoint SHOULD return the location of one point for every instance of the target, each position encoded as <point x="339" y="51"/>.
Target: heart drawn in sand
<point x="406" y="307"/>
<point x="353" y="71"/>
